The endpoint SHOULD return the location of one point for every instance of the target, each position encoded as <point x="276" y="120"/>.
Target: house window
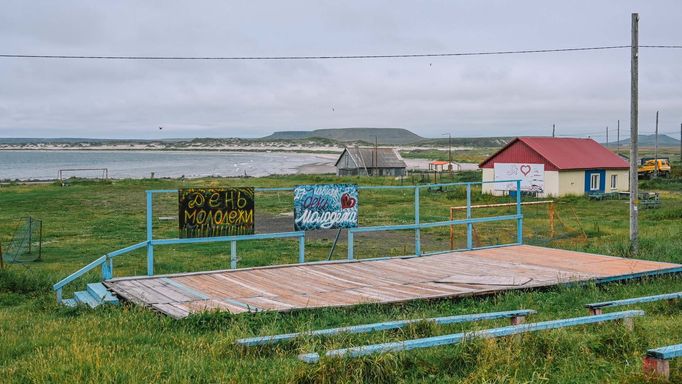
<point x="614" y="181"/>
<point x="594" y="182"/>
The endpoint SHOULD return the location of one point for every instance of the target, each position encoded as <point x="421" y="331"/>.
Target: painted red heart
<point x="525" y="169"/>
<point x="347" y="201"/>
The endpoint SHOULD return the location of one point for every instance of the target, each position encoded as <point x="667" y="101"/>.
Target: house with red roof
<point x="549" y="166"/>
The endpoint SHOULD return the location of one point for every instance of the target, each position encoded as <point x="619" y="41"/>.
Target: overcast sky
<point x="582" y="92"/>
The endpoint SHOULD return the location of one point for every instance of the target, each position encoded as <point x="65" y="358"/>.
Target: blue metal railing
<point x="106" y="261"/>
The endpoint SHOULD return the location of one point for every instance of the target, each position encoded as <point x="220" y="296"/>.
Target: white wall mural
<point x="532" y="176"/>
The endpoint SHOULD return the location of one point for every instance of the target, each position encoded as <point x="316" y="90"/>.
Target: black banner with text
<point x="210" y="212"/>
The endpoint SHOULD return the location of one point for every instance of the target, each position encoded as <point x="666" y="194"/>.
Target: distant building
<point x="550" y="166"/>
<point x="370" y="161"/>
<point x="442" y="166"/>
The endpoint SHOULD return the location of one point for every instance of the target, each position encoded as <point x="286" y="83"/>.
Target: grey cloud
<point x="488" y="95"/>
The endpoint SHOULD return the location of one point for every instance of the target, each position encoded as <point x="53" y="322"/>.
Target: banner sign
<point x="209" y="212"/>
<point x="532" y="176"/>
<point x="325" y="206"/>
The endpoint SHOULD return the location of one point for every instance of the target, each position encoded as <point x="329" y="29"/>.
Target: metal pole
<point x="336" y="240"/>
<point x="607" y="136"/>
<point x="634" y="116"/>
<point x="618" y="138"/>
<point x="233" y="254"/>
<point x="417" y="232"/>
<point x="150" y="246"/>
<point x="470" y="226"/>
<point x="40" y="242"/>
<point x="350" y="244"/>
<point x="30" y="233"/>
<point x="301" y="249"/>
<point x="449" y="152"/>
<point x="656" y="149"/>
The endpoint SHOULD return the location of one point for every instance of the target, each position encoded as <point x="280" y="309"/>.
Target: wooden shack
<point x="370" y="161"/>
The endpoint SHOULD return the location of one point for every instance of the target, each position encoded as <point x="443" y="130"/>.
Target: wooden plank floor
<point x="287" y="287"/>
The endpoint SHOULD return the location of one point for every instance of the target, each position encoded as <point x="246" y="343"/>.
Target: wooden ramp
<point x="334" y="284"/>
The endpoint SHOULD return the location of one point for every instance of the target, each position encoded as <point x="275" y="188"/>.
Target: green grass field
<point x="43" y="342"/>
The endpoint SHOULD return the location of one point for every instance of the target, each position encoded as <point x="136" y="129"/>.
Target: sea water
<point x="45" y="165"/>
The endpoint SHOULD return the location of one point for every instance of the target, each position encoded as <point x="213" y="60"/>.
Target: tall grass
<point x="43" y="342"/>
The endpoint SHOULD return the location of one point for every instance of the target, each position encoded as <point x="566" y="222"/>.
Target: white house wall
<point x="622" y="181"/>
<point x="572" y="183"/>
<point x="563" y="183"/>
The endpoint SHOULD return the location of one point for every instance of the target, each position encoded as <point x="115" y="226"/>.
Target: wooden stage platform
<point x="333" y="284"/>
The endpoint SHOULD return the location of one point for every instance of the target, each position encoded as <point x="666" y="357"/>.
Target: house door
<point x="595" y="181"/>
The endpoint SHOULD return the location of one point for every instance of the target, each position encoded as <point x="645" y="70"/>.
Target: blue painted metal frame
<point x="106" y="262"/>
<point x="366" y="328"/>
<point x="666" y="353"/>
<point x="468" y="222"/>
<point x="636" y="300"/>
<point x="455" y="338"/>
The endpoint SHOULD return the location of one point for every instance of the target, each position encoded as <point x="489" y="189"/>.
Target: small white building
<point x="549" y="166"/>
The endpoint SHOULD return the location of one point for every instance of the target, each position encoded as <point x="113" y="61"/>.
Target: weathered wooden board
<point x="333" y="284"/>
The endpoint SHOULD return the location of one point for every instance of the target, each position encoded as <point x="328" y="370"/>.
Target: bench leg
<point x="629" y="323"/>
<point x="595" y="311"/>
<point x="516" y="320"/>
<point x="657" y="367"/>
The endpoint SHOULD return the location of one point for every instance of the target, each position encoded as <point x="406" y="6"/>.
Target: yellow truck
<point x="647" y="167"/>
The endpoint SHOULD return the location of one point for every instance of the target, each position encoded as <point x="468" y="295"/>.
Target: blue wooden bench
<point x="597" y="308"/>
<point x="459" y="337"/>
<point x="657" y="360"/>
<point x="517" y="317"/>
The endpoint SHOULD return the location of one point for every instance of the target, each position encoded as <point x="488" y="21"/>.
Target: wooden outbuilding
<point x="370" y="161"/>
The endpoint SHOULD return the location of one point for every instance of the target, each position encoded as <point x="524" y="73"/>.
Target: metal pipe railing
<point x="106" y="261"/>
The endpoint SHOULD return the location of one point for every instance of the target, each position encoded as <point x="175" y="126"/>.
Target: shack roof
<point x="371" y="157"/>
<point x="560" y="153"/>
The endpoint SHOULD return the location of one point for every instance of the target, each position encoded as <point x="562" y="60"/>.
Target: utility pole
<point x="449" y="152"/>
<point x="553" y="130"/>
<point x="375" y="156"/>
<point x="634" y="115"/>
<point x="607" y="136"/>
<point x="618" y="138"/>
<point x="656" y="149"/>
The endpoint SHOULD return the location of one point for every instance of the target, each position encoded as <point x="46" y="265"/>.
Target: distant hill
<point x="650" y="141"/>
<point x="345" y="135"/>
<point x="468" y="141"/>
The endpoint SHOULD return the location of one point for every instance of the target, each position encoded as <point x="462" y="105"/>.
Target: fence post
<point x="519" y="221"/>
<point x="150" y="246"/>
<point x="470" y="226"/>
<point x="107" y="267"/>
<point x="30" y="233"/>
<point x="350" y="243"/>
<point x="40" y="241"/>
<point x="233" y="254"/>
<point x="417" y="231"/>
<point x="301" y="249"/>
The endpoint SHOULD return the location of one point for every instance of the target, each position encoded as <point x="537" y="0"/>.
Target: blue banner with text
<point x="325" y="206"/>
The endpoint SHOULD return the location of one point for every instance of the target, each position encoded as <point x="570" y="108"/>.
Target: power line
<point x="336" y="57"/>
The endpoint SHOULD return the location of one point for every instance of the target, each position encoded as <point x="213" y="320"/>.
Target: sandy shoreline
<point x="168" y="166"/>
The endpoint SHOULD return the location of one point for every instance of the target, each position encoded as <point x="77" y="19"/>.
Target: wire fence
<point x="26" y="243"/>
